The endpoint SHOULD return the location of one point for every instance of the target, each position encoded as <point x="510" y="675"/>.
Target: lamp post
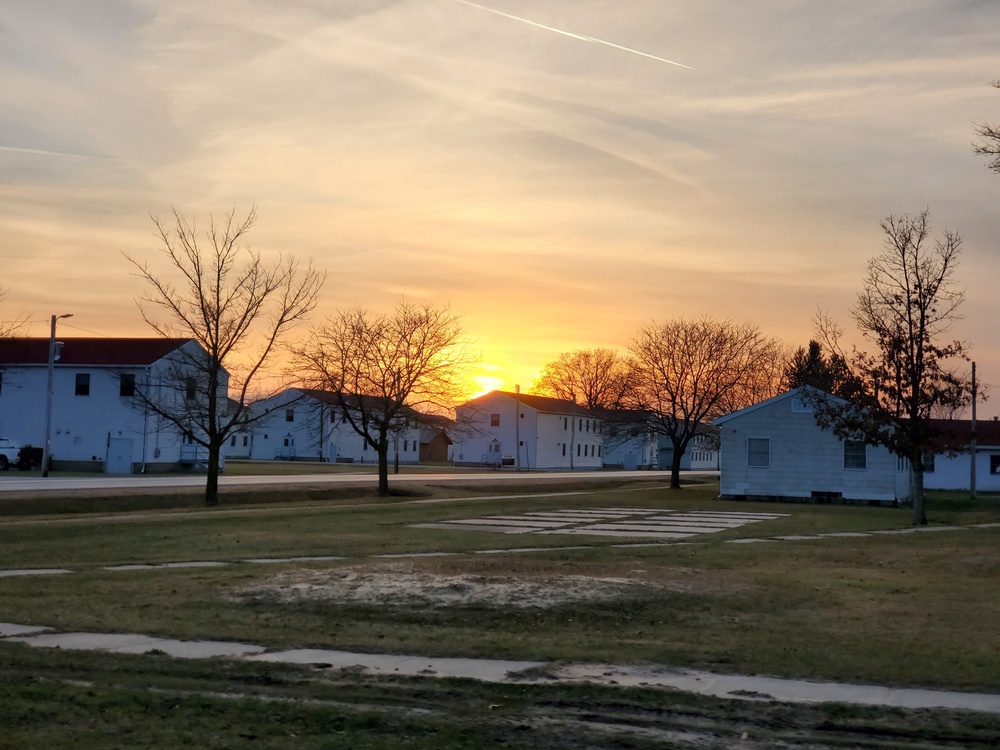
<point x="48" y="393"/>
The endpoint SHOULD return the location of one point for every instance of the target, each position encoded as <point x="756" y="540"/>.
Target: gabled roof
<point x="956" y="434"/>
<point x="542" y="404"/>
<point x="794" y="393"/>
<point x="106" y="352"/>
<point x="372" y="403"/>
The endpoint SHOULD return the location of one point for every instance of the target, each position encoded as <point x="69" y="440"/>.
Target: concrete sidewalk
<point x="742" y="687"/>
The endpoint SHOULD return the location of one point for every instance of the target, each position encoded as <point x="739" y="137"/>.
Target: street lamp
<point x="48" y="393"/>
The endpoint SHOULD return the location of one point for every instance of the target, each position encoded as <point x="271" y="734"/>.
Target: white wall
<point x="803" y="458"/>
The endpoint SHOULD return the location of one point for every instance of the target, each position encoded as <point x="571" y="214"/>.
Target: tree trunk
<point x="917" y="492"/>
<point x="383" y="468"/>
<point x="212" y="481"/>
<point x="675" y="468"/>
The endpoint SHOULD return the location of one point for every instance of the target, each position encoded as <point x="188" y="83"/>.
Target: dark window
<point x="598" y="451"/>
<point x="289" y="415"/>
<point x="494" y="420"/>
<point x="565" y="423"/>
<point x="246" y="438"/>
<point x="190" y="388"/>
<point x="126" y="385"/>
<point x="83" y="384"/>
<point x="232" y="443"/>
<point x="759" y="452"/>
<point x="928" y="463"/>
<point x="564" y="448"/>
<point x="855" y="455"/>
<point x="995" y="463"/>
<point x="578" y="450"/>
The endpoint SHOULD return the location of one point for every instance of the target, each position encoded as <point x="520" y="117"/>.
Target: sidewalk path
<point x="742" y="687"/>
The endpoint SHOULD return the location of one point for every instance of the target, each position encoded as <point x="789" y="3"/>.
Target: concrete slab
<point x="749" y="687"/>
<point x="528" y="549"/>
<point x="796" y="537"/>
<point x="274" y="560"/>
<point x="836" y="534"/>
<point x="140" y="566"/>
<point x="34" y="572"/>
<point x="128" y="643"/>
<point x="487" y="670"/>
<point x="416" y="554"/>
<point x="475" y="527"/>
<point x="743" y="687"/>
<point x="194" y="564"/>
<point x="892" y="531"/>
<point x="621" y="533"/>
<point x="748" y="540"/>
<point x="8" y="629"/>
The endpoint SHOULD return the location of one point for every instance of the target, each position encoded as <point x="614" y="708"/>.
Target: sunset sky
<point x="549" y="168"/>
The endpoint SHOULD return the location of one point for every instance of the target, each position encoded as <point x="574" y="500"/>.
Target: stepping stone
<point x="33" y="572"/>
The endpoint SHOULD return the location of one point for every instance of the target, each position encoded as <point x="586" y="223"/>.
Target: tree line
<point x="679" y="373"/>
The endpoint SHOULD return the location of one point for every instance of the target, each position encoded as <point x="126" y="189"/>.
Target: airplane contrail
<point x="571" y="35"/>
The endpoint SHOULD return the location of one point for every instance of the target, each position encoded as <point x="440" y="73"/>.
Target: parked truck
<point x="12" y="453"/>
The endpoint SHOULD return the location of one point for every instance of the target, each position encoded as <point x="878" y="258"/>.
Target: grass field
<point x="909" y="609"/>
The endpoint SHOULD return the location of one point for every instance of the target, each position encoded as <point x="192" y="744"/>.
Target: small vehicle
<point x="9" y="450"/>
<point x="12" y="453"/>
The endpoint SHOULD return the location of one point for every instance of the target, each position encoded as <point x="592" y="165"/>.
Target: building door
<point x="119" y="456"/>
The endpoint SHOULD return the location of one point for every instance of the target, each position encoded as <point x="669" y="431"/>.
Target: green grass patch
<point x="84" y="700"/>
<point x="851" y="608"/>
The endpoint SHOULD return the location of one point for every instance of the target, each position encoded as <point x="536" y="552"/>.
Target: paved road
<point x="104" y="482"/>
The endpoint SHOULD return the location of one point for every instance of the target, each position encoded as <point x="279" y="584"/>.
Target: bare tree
<point x="990" y="145"/>
<point x="906" y="306"/>
<point x="14" y="327"/>
<point x="383" y="368"/>
<point x="594" y="378"/>
<point x="689" y="371"/>
<point x="237" y="307"/>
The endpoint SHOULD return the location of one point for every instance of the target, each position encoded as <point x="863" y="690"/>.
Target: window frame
<point x="853" y="459"/>
<point x="756" y="453"/>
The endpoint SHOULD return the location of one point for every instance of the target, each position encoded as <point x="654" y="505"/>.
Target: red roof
<point x="539" y="403"/>
<point x="88" y="351"/>
<point x="955" y="434"/>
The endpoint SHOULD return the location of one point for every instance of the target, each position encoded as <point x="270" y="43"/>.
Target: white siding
<point x="804" y="459"/>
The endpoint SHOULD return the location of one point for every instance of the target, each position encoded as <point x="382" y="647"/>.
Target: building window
<point x="494" y="420"/>
<point x="565" y="423"/>
<point x="564" y="448"/>
<point x="759" y="452"/>
<point x="578" y="450"/>
<point x="289" y="415"/>
<point x="855" y="454"/>
<point x="598" y="451"/>
<point x="82" y="384"/>
<point x="928" y="461"/>
<point x="190" y="388"/>
<point x="406" y="445"/>
<point x="232" y="443"/>
<point x="246" y="440"/>
<point x="995" y="463"/>
<point x="126" y="385"/>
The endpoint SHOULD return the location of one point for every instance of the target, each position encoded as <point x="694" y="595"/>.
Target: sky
<point x="560" y="172"/>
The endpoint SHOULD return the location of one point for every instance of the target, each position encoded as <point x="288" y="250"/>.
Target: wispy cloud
<point x="572" y="35"/>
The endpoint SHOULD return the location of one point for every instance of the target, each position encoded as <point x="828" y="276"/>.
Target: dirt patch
<point x="399" y="584"/>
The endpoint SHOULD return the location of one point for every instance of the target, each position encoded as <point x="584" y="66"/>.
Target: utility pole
<point x="517" y="426"/>
<point x="972" y="439"/>
<point x="54" y="349"/>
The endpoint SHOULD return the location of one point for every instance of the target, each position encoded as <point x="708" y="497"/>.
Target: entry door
<point x="119" y="456"/>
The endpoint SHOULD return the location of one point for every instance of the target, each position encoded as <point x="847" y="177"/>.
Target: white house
<point x="950" y="468"/>
<point x="99" y="421"/>
<point x="527" y="432"/>
<point x="630" y="443"/>
<point x="303" y="424"/>
<point x="775" y="450"/>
